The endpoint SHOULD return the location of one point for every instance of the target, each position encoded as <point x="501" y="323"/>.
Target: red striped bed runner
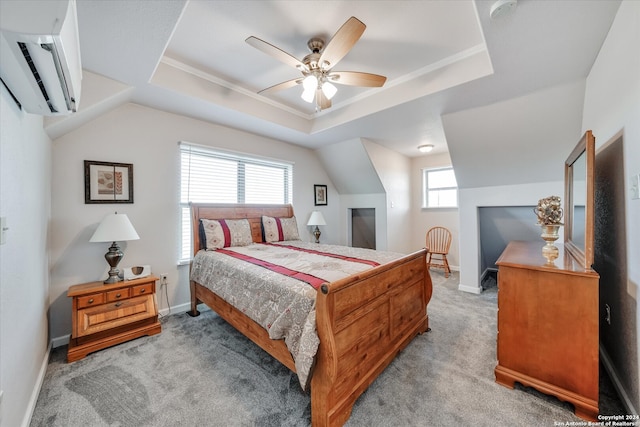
<point x="310" y="279"/>
<point x="328" y="254"/>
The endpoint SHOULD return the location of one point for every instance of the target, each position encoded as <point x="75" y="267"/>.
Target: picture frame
<point x="108" y="182"/>
<point x="320" y="194"/>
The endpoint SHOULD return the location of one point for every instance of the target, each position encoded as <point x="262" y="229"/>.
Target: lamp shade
<point x="115" y="227"/>
<point x="308" y="95"/>
<point x="329" y="90"/>
<point x="316" y="218"/>
<point x="310" y="82"/>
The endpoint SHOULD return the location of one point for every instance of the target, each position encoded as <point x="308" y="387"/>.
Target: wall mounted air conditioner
<point x="40" y="55"/>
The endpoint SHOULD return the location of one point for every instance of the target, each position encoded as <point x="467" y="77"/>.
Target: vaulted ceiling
<point x="447" y="63"/>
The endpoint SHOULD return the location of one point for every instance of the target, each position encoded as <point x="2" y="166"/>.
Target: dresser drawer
<point x="114" y="314"/>
<point x="144" y="289"/>
<point x="90" y="300"/>
<point x="117" y="295"/>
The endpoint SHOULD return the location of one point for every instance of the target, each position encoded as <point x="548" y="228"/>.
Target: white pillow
<point x="279" y="229"/>
<point x="223" y="233"/>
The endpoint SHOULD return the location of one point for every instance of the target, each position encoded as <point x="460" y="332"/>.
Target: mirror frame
<point x="582" y="255"/>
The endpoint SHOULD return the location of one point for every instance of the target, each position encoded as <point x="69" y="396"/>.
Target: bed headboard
<point x="234" y="211"/>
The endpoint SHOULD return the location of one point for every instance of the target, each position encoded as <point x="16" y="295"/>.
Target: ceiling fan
<point x="317" y="67"/>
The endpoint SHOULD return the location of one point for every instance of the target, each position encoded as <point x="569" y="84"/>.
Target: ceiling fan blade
<point x="355" y="78"/>
<point x="276" y="52"/>
<point x="322" y="101"/>
<point x="282" y="86"/>
<point x="341" y="42"/>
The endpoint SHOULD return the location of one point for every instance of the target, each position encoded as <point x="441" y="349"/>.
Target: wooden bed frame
<point x="363" y="321"/>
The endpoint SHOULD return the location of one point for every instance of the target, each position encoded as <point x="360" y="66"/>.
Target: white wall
<point x="25" y="196"/>
<point x="612" y="104"/>
<point x="149" y="138"/>
<point x="470" y="199"/>
<point x="423" y="219"/>
<point x="350" y="167"/>
<point x="361" y="201"/>
<point x="394" y="172"/>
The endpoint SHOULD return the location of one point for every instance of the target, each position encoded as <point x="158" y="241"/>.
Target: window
<point x="440" y="188"/>
<point x="214" y="176"/>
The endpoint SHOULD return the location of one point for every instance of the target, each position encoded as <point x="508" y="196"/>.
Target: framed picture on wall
<point x="106" y="182"/>
<point x="320" y="194"/>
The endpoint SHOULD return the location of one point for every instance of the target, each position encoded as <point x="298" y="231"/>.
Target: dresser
<point x="108" y="314"/>
<point x="548" y="326"/>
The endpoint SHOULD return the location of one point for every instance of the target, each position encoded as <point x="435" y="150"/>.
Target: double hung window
<point x="440" y="189"/>
<point x="208" y="175"/>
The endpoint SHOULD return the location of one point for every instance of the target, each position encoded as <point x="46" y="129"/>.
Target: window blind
<point x="208" y="175"/>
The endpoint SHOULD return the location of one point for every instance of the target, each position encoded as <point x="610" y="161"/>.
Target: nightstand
<point x="106" y="315"/>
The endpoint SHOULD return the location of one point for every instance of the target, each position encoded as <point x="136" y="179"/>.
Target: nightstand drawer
<point x="106" y="314"/>
<point x="117" y="295"/>
<point x="90" y="300"/>
<point x="96" y="319"/>
<point x="145" y="289"/>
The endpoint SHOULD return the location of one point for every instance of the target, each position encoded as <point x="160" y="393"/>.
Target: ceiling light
<point x="308" y="95"/>
<point x="502" y="7"/>
<point x="425" y="148"/>
<point x="310" y="84"/>
<point x="329" y="90"/>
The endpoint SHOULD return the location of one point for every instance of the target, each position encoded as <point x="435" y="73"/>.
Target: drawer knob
<point x="142" y="290"/>
<point x="118" y="295"/>
<point x="118" y="304"/>
<point x="90" y="300"/>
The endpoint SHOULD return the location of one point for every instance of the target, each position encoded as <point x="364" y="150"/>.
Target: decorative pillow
<point x="223" y="233"/>
<point x="279" y="229"/>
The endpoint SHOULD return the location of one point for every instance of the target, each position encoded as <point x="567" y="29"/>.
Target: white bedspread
<point x="283" y="305"/>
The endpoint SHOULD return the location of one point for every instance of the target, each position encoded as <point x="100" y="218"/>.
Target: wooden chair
<point x="438" y="243"/>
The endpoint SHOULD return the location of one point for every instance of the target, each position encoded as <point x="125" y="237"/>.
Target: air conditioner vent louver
<point x="36" y="74"/>
<point x="40" y="55"/>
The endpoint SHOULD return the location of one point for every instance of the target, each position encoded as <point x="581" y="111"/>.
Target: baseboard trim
<point x="615" y="378"/>
<point x="487" y="271"/>
<point x="60" y="341"/>
<point x="36" y="390"/>
<point x="176" y="309"/>
<point x="470" y="289"/>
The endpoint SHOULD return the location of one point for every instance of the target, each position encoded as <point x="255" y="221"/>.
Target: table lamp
<point x="316" y="219"/>
<point x="113" y="228"/>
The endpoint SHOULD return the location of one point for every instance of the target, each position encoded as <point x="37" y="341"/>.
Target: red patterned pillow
<point x="223" y="233"/>
<point x="279" y="229"/>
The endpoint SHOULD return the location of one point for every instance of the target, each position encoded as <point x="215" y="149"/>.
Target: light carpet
<point x="202" y="372"/>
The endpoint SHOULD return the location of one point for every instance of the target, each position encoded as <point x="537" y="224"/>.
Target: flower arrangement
<point x="549" y="211"/>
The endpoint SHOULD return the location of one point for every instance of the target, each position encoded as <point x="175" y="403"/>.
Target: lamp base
<point x="316" y="233"/>
<point x="113" y="257"/>
<point x="113" y="279"/>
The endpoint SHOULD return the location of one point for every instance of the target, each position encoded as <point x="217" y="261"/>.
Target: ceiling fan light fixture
<point x="308" y="95"/>
<point x="329" y="90"/>
<point x="425" y="148"/>
<point x="316" y="67"/>
<point x="310" y="83"/>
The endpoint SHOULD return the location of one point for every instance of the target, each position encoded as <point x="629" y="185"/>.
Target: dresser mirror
<point x="579" y="201"/>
